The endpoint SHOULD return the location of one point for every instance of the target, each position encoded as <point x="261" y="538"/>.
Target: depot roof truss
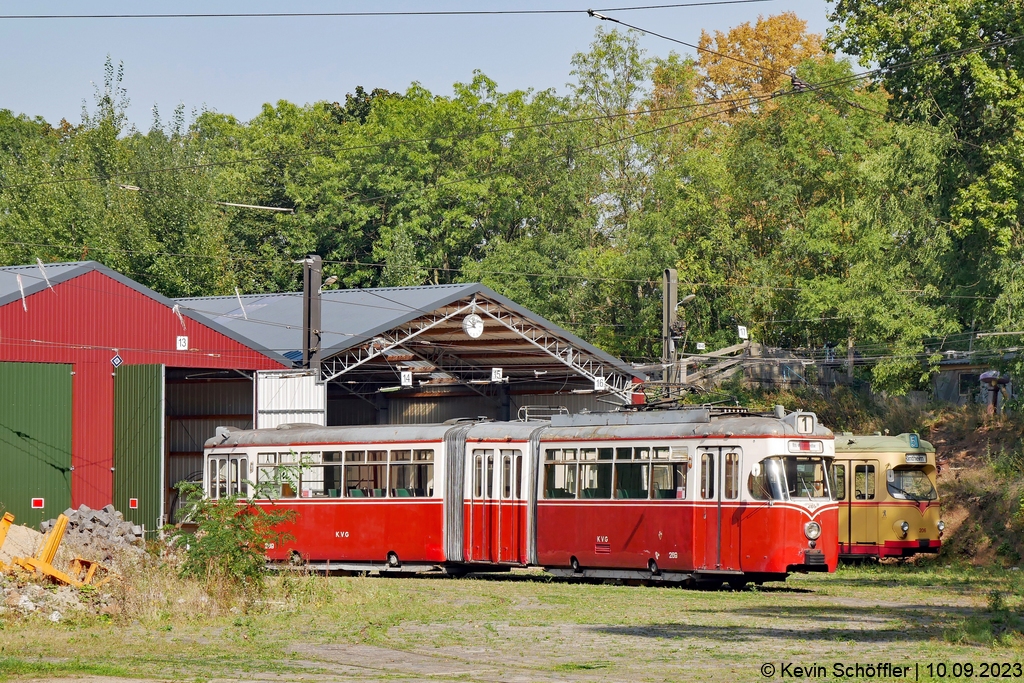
<point x="447" y="359"/>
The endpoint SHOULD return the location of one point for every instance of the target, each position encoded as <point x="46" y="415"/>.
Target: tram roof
<point x="878" y="443"/>
<point x="728" y="426"/>
<point x="687" y="424"/>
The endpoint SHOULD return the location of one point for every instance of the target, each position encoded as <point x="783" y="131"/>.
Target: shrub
<point x="230" y="538"/>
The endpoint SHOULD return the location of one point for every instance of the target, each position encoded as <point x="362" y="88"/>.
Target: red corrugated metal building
<point x="130" y="353"/>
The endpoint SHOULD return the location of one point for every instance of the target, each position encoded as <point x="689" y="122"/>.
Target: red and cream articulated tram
<point x="703" y="496"/>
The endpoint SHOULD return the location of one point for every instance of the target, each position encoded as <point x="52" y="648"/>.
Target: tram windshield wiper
<point x="906" y="493"/>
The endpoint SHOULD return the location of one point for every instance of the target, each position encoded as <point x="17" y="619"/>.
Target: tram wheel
<point x="737" y="584"/>
<point x="653" y="567"/>
<point x="575" y="564"/>
<point x="393" y="560"/>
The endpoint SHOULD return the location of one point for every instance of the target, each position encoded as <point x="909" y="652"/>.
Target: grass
<point x="527" y="626"/>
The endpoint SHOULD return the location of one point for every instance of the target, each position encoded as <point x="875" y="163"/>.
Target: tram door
<point x="481" y="508"/>
<point x="495" y="524"/>
<point x="510" y="507"/>
<point x="710" y="516"/>
<point x="719" y="486"/>
<point x="862" y="508"/>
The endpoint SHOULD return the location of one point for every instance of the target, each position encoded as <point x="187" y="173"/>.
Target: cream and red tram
<point x="704" y="495"/>
<point x="888" y="502"/>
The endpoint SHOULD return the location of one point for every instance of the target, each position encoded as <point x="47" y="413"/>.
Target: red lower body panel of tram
<point x="362" y="530"/>
<point x="684" y="537"/>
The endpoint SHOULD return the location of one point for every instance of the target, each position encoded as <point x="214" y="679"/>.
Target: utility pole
<point x="669" y="302"/>
<point x="849" y="359"/>
<point x="312" y="274"/>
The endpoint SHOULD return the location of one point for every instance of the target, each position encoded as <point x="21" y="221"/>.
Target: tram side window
<point x="282" y="480"/>
<point x="413" y="475"/>
<point x="228" y="477"/>
<point x="286" y="476"/>
<point x="839" y="479"/>
<point x="560" y="480"/>
<point x="631" y="479"/>
<point x="707" y="475"/>
<point x="766" y="480"/>
<point x="731" y="485"/>
<point x="596" y="480"/>
<point x="334" y="482"/>
<point x="311" y="477"/>
<point x="668" y="481"/>
<point x="365" y="474"/>
<point x="214" y="487"/>
<point x="864" y="482"/>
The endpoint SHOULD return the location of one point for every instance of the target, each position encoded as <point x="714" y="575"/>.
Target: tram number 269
<point x="341" y="534"/>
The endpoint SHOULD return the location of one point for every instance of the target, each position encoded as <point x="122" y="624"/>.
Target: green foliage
<point x="978" y="97"/>
<point x="230" y="538"/>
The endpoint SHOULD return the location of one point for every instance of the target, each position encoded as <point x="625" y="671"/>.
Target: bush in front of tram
<point x="230" y="538"/>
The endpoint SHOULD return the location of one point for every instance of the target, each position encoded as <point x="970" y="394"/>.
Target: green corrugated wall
<point x="139" y="442"/>
<point x="35" y="439"/>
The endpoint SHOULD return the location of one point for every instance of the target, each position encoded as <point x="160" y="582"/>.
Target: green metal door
<point x="35" y="440"/>
<point x="139" y="443"/>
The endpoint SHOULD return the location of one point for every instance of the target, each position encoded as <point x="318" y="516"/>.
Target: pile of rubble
<point x="103" y="532"/>
<point x="23" y="596"/>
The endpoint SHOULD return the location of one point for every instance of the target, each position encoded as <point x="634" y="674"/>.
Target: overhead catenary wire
<point x="136" y="188"/>
<point x="400" y="13"/>
<point x="598" y="15"/>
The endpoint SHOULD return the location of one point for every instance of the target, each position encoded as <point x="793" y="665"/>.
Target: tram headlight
<point x="941" y="526"/>
<point x="901" y="528"/>
<point x="812" y="530"/>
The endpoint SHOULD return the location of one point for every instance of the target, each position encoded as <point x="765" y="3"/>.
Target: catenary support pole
<point x="312" y="274"/>
<point x="669" y="301"/>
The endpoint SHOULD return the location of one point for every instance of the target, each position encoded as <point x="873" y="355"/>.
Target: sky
<point x="235" y="65"/>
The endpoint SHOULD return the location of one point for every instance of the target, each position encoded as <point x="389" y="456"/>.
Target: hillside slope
<point x="981" y="484"/>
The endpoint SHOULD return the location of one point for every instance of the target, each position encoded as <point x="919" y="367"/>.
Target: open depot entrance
<point x="162" y="417"/>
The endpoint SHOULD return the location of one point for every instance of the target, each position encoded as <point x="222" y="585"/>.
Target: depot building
<point x="108" y="389"/>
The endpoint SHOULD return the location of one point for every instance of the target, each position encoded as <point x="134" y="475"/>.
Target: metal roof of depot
<point x="351" y="317"/>
<point x="33" y="281"/>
